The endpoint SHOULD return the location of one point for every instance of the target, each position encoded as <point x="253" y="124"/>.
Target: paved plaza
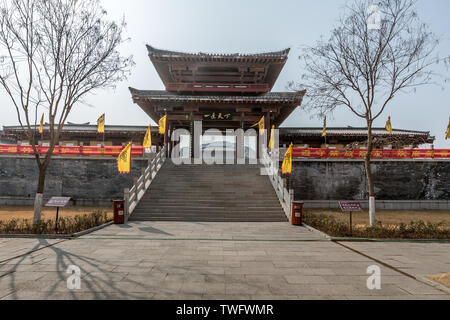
<point x="174" y="260"/>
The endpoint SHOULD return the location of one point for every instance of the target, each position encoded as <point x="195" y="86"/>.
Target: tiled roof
<point x="155" y="51"/>
<point x="263" y="98"/>
<point x="87" y="128"/>
<point x="350" y="131"/>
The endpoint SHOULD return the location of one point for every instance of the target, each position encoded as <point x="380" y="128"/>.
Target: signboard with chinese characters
<point x="58" y="202"/>
<point x="218" y="116"/>
<point x="350" y="206"/>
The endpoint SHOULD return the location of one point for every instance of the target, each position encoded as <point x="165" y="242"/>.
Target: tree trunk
<point x="372" y="209"/>
<point x="38" y="201"/>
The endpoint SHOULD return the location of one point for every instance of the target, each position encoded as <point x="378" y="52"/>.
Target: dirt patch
<point x="443" y="279"/>
<point x="10" y="212"/>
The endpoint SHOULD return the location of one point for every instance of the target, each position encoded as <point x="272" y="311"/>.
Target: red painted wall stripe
<point x="376" y="154"/>
<point x="70" y="151"/>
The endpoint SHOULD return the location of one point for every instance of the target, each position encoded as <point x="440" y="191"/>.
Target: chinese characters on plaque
<point x="218" y="116"/>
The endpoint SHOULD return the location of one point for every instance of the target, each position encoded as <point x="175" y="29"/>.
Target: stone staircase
<point x="210" y="193"/>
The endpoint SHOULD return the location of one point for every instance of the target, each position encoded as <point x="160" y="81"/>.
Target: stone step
<point x="189" y="202"/>
<point x="205" y="214"/>
<point x="210" y="193"/>
<point x="184" y="198"/>
<point x="212" y="210"/>
<point x="207" y="219"/>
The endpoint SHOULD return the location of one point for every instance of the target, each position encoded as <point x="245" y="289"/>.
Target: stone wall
<point x="79" y="178"/>
<point x="98" y="179"/>
<point x="394" y="180"/>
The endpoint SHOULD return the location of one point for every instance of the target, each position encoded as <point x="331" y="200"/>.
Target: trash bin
<point x="119" y="211"/>
<point x="297" y="213"/>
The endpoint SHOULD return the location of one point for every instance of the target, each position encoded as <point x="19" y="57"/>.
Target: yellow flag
<point x="447" y="134"/>
<point x="324" y="132"/>
<point x="162" y="125"/>
<point x="101" y="124"/>
<point x="272" y="138"/>
<point x="148" y="138"/>
<point x="287" y="162"/>
<point x="124" y="160"/>
<point x="261" y="125"/>
<point x="389" y="125"/>
<point x="41" y="128"/>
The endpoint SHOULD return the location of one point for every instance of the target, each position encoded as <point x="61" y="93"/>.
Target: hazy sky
<point x="249" y="26"/>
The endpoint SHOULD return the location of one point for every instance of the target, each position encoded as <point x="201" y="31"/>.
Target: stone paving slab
<point x="208" y="230"/>
<point x="177" y="267"/>
<point x="418" y="259"/>
<point x="10" y="248"/>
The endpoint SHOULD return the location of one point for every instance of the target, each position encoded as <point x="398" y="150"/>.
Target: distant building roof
<point x="86" y="128"/>
<point x="351" y="131"/>
<point x="336" y="131"/>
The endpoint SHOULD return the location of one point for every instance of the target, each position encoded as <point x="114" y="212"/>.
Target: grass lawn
<point x="387" y="217"/>
<point x="10" y="212"/>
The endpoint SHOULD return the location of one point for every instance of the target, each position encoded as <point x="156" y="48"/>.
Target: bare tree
<point x="373" y="53"/>
<point x="55" y="52"/>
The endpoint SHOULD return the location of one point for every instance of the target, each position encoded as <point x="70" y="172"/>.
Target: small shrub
<point x="66" y="225"/>
<point x="413" y="230"/>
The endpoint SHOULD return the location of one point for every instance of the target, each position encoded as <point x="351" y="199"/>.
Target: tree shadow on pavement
<point x="101" y="287"/>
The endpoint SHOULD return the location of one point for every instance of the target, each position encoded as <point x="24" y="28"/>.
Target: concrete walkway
<point x="156" y="260"/>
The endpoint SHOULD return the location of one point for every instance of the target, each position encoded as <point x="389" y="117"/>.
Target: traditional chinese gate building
<point x="222" y="91"/>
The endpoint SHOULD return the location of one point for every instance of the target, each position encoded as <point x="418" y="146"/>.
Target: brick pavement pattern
<point x="184" y="260"/>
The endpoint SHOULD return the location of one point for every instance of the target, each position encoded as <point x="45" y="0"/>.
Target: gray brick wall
<point x="394" y="180"/>
<point x="79" y="178"/>
<point x="93" y="179"/>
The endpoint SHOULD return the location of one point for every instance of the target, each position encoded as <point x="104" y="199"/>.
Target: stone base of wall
<point x="21" y="201"/>
<point x="384" y="205"/>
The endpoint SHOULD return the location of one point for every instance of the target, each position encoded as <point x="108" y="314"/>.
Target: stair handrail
<point x="272" y="170"/>
<point x="140" y="185"/>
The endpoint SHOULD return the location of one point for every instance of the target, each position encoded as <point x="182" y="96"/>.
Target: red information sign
<point x="350" y="206"/>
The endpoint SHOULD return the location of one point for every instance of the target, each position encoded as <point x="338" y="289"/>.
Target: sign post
<point x="58" y="202"/>
<point x="350" y="206"/>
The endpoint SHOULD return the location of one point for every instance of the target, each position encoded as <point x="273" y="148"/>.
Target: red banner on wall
<point x="70" y="151"/>
<point x="376" y="154"/>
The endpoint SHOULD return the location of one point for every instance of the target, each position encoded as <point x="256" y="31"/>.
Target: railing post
<point x="136" y="188"/>
<point x="126" y="197"/>
<point x="291" y="199"/>
<point x="144" y="180"/>
<point x="133" y="193"/>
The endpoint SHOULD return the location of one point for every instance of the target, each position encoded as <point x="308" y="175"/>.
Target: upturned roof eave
<point x="271" y="97"/>
<point x="168" y="53"/>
